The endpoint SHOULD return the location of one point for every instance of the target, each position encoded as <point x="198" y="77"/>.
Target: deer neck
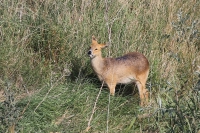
<point x="98" y="64"/>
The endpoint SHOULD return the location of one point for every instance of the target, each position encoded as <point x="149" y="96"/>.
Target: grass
<point x="78" y="107"/>
<point x="47" y="74"/>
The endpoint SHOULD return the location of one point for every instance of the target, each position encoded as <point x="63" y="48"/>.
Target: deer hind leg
<point x="143" y="92"/>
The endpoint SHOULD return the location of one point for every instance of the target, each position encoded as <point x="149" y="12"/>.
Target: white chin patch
<point x="91" y="56"/>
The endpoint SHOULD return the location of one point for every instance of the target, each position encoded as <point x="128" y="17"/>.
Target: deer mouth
<point x="90" y="54"/>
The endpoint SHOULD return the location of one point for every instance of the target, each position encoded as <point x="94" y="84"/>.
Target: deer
<point x="132" y="67"/>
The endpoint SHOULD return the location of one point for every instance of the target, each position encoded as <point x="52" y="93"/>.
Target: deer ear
<point x="104" y="45"/>
<point x="94" y="40"/>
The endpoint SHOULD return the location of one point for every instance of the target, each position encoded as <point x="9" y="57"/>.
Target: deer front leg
<point x="111" y="86"/>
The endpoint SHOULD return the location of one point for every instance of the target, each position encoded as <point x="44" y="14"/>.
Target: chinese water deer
<point x="132" y="67"/>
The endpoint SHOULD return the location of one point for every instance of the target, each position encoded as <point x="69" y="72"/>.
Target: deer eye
<point x="96" y="49"/>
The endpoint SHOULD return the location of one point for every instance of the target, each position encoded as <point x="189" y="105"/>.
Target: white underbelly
<point x="126" y="80"/>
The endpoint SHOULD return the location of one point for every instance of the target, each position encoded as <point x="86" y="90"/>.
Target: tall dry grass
<point x="45" y="43"/>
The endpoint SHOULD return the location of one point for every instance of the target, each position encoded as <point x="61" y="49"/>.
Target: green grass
<point x="43" y="51"/>
<point x="78" y="106"/>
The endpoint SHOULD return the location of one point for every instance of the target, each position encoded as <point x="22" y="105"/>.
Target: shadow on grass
<point x="81" y="70"/>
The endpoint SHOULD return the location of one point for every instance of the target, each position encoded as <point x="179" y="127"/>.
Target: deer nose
<point x="89" y="52"/>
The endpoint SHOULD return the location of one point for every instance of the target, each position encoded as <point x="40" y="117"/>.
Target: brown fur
<point x="132" y="67"/>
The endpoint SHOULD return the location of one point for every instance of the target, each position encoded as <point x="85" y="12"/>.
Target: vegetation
<point x="47" y="83"/>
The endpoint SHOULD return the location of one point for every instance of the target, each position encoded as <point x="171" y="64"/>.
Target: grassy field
<point x="47" y="83"/>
